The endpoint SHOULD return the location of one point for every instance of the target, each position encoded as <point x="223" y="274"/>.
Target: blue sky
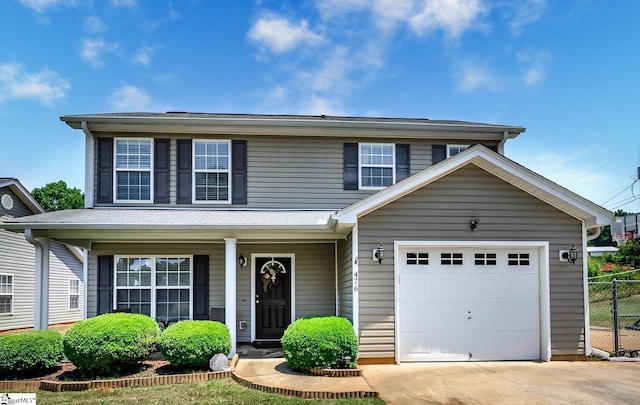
<point x="566" y="70"/>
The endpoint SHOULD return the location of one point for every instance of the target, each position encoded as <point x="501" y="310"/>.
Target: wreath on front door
<point x="269" y="273"/>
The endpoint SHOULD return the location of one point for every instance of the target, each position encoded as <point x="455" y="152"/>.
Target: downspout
<point x="88" y="165"/>
<point x="505" y="136"/>
<point x="41" y="281"/>
<point x="85" y="276"/>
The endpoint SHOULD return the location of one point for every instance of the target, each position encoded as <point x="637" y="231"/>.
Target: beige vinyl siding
<point x="18" y="259"/>
<point x="292" y="173"/>
<point x="314" y="275"/>
<point x="63" y="265"/>
<point x="442" y="211"/>
<point x="345" y="278"/>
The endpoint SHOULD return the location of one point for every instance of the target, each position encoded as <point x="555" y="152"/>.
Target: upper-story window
<point x="455" y="149"/>
<point x="377" y="165"/>
<point x="133" y="159"/>
<point x="211" y="166"/>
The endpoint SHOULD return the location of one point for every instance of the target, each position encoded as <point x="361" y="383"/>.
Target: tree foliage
<point x="58" y="196"/>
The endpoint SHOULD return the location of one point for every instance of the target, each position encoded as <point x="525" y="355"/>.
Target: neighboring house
<point x="435" y="245"/>
<point x="18" y="263"/>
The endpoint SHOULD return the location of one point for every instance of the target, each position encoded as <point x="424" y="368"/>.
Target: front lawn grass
<point x="225" y="391"/>
<point x="601" y="314"/>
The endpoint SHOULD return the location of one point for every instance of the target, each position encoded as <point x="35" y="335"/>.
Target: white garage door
<point x="468" y="304"/>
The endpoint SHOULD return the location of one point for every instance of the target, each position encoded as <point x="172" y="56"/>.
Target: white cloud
<point x="93" y="49"/>
<point x="472" y="76"/>
<point x="453" y="17"/>
<point x="124" y="3"/>
<point x="132" y="98"/>
<point x="94" y="25"/>
<point x="281" y="35"/>
<point x="44" y="87"/>
<point x="524" y="12"/>
<point x="143" y="56"/>
<point x="41" y="6"/>
<point x="536" y="62"/>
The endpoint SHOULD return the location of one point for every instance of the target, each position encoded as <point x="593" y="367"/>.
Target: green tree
<point x="58" y="196"/>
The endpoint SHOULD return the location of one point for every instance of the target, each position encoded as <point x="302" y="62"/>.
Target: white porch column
<point x="230" y="290"/>
<point x="41" y="281"/>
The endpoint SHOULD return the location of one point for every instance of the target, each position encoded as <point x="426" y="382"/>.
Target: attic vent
<point x="7" y="202"/>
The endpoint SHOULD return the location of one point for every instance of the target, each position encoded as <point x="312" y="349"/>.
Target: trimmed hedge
<point x="29" y="353"/>
<point x="191" y="344"/>
<point x="109" y="345"/>
<point x="320" y="342"/>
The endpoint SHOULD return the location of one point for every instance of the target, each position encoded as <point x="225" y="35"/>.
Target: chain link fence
<point x="614" y="310"/>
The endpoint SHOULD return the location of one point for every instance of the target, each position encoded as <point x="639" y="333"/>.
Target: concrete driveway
<point x="557" y="382"/>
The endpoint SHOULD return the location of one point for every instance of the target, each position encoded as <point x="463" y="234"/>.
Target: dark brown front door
<point x="273" y="296"/>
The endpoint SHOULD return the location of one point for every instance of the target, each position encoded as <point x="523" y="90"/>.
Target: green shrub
<point x="29" y="353"/>
<point x="111" y="344"/>
<point x="320" y="342"/>
<point x="191" y="344"/>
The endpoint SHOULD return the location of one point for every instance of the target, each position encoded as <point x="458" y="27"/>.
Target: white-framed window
<point x="74" y="293"/>
<point x="455" y="149"/>
<point x="157" y="286"/>
<point x="518" y="259"/>
<point x="417" y="258"/>
<point x="6" y="294"/>
<point x="133" y="167"/>
<point x="485" y="259"/>
<point x="211" y="171"/>
<point x="376" y="165"/>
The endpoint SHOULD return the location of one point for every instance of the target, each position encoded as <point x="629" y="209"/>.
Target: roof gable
<point x="18" y="189"/>
<point x="501" y="167"/>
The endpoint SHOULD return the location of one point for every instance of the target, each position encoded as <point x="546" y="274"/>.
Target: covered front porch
<point x="255" y="271"/>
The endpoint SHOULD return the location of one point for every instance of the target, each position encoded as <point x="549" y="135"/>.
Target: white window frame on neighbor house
<point x="153" y="286"/>
<point x="139" y="167"/>
<point x="211" y="165"/>
<point x="6" y="290"/>
<point x="453" y="150"/>
<point x="370" y="163"/>
<point x="74" y="294"/>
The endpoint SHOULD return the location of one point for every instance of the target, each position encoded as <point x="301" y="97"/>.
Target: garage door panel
<point x="434" y="346"/>
<point x="524" y="345"/>
<point x="500" y="317"/>
<point x="485" y="307"/>
<point x="417" y="317"/>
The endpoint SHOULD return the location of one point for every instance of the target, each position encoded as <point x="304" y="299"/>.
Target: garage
<point x="464" y="302"/>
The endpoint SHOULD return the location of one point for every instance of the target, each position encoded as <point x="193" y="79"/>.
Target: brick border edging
<point x="342" y="372"/>
<point x="59" y="386"/>
<point x="304" y="394"/>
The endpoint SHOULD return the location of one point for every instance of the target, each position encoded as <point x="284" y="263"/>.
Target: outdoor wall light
<point x="570" y="255"/>
<point x="242" y="261"/>
<point x="474" y="224"/>
<point x="378" y="254"/>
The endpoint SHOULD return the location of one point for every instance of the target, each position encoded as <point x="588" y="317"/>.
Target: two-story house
<point x="433" y="244"/>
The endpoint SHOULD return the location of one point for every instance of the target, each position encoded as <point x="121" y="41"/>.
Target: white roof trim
<point x="519" y="176"/>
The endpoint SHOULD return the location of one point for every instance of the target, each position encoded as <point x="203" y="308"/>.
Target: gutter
<point x="596" y="233"/>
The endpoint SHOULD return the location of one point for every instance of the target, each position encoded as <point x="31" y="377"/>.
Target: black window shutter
<point x="105" y="170"/>
<point x="239" y="172"/>
<point x="402" y="162"/>
<point x="201" y="287"/>
<point x="493" y="147"/>
<point x="184" y="171"/>
<point x="438" y="153"/>
<point x="161" y="171"/>
<point x="350" y="166"/>
<point x="105" y="285"/>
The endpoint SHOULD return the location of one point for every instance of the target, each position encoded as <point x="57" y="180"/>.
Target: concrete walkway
<point x="460" y="383"/>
